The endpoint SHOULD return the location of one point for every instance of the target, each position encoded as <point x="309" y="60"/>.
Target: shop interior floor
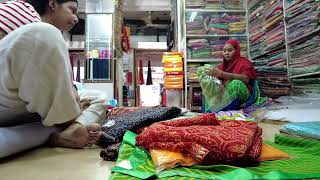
<point x="69" y="164"/>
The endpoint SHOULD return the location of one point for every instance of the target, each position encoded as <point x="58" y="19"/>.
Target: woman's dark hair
<point x="41" y="5"/>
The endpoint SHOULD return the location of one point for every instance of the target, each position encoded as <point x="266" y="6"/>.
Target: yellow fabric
<point x="164" y="159"/>
<point x="271" y="153"/>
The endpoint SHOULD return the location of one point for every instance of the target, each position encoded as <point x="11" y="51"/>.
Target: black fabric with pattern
<point x="111" y="152"/>
<point x="114" y="127"/>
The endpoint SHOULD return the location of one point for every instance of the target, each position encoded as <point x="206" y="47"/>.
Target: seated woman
<point x="37" y="97"/>
<point x="238" y="76"/>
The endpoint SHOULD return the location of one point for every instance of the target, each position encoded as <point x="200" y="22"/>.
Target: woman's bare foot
<point x="77" y="136"/>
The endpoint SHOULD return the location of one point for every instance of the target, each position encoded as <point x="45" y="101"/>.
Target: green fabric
<point x="217" y="99"/>
<point x="237" y="89"/>
<point x="234" y="89"/>
<point x="212" y="90"/>
<point x="219" y="26"/>
<point x="304" y="163"/>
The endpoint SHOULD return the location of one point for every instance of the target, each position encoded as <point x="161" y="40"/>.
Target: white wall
<point x="146" y="5"/>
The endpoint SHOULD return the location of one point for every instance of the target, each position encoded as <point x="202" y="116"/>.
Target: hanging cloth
<point x="149" y="77"/>
<point x="141" y="79"/>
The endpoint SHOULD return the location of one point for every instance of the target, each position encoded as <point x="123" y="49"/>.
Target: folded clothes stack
<point x="302" y="19"/>
<point x="307" y="130"/>
<point x="306" y="86"/>
<point x="195" y="25"/>
<point x="267" y="46"/>
<point x="222" y="24"/>
<point x="224" y="4"/>
<point x="195" y="3"/>
<point x="233" y="4"/>
<point x="192" y="71"/>
<point x="199" y="48"/>
<point x="214" y="4"/>
<point x="218" y="44"/>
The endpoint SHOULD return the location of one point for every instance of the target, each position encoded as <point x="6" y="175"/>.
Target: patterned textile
<point x="164" y="159"/>
<point x="205" y="139"/>
<point x="121" y="110"/>
<point x="267" y="45"/>
<point x="111" y="152"/>
<point x="114" y="127"/>
<point x="304" y="164"/>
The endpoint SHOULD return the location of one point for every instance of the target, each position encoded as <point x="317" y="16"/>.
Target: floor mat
<point x="135" y="163"/>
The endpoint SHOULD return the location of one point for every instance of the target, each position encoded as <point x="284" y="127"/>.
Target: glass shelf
<point x="99" y="47"/>
<point x="215" y="23"/>
<point x="211" y="47"/>
<point x="201" y="4"/>
<point x="217" y="10"/>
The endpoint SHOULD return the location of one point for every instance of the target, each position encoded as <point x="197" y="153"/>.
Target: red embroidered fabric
<point x="205" y="139"/>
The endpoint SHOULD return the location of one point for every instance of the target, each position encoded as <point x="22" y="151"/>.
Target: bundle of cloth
<point x="233" y="4"/>
<point x="218" y="44"/>
<point x="217" y="47"/>
<point x="215" y="4"/>
<point x="205" y="139"/>
<point x="304" y="56"/>
<point x="237" y="27"/>
<point x="274" y="81"/>
<point x="192" y="71"/>
<point x="133" y="119"/>
<point x="267" y="47"/>
<point x="195" y="3"/>
<point x="223" y="24"/>
<point x="199" y="48"/>
<point x="302" y="18"/>
<point x="196" y="26"/>
<point x="274" y="26"/>
<point x="306" y="86"/>
<point x="270" y="35"/>
<point x="308" y="130"/>
<point x="226" y="4"/>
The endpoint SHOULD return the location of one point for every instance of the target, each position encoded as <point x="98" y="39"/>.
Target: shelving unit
<point x="204" y="60"/>
<point x="99" y="48"/>
<point x="303" y="31"/>
<point x="217" y="10"/>
<point x="204" y="29"/>
<point x="268" y="47"/>
<point x="304" y="51"/>
<point x="214" y="35"/>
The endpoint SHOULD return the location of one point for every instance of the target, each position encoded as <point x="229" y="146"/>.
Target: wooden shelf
<point x="217" y="10"/>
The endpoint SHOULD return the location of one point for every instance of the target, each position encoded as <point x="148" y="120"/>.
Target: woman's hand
<point x="214" y="72"/>
<point x="84" y="104"/>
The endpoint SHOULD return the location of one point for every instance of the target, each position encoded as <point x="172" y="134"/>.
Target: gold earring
<point x="52" y="6"/>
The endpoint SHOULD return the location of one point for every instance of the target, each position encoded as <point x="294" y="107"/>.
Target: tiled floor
<point x="68" y="164"/>
<point x="56" y="164"/>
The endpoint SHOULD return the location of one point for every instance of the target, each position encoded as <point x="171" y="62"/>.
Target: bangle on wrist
<point x="221" y="75"/>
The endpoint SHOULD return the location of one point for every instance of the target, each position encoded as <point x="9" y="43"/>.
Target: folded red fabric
<point x="205" y="139"/>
